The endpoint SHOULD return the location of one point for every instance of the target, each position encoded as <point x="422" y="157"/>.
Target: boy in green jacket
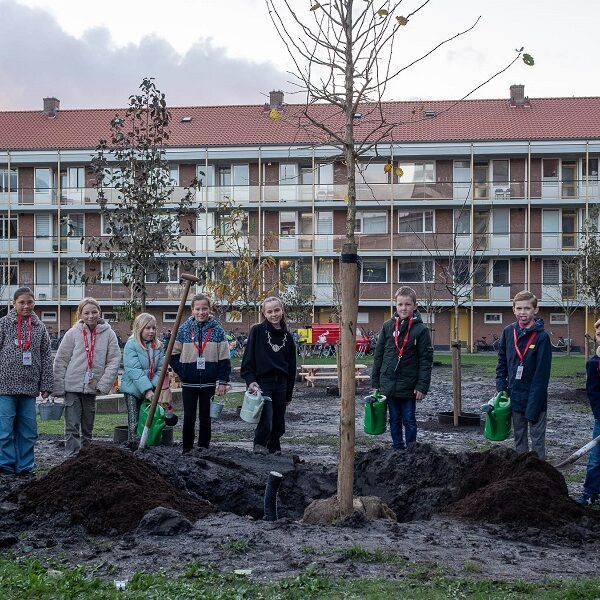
<point x="402" y="367"/>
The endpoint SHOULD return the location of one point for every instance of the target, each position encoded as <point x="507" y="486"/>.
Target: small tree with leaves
<point x="589" y="263"/>
<point x="143" y="221"/>
<point x="243" y="279"/>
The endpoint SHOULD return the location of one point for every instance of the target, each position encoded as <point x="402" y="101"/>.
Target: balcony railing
<point x="547" y="189"/>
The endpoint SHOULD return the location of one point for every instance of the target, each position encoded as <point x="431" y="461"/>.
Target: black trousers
<point x="196" y="399"/>
<point x="271" y="426"/>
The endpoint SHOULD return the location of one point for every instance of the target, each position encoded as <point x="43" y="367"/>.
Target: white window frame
<point x="492" y="318"/>
<point x="5" y="278"/>
<point x="362" y="317"/>
<point x="423" y="270"/>
<point x="169" y="317"/>
<point x="110" y="316"/>
<point x="49" y="316"/>
<point x="369" y="260"/>
<point x="105" y="267"/>
<point x="360" y="217"/>
<point x="5" y="226"/>
<point x="423" y="221"/>
<point x="427" y="318"/>
<point x="230" y="318"/>
<point x="559" y="318"/>
<point x="407" y="167"/>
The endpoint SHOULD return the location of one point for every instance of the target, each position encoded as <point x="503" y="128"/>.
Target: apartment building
<point x="501" y="186"/>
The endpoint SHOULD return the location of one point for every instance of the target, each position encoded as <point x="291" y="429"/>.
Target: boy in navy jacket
<point x="591" y="485"/>
<point x="524" y="361"/>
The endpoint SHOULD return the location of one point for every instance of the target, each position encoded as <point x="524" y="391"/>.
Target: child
<point x="26" y="372"/>
<point x="143" y="359"/>
<point x="591" y="485"/>
<point x="402" y="367"/>
<point x="201" y="359"/>
<point x="86" y="365"/>
<point x="524" y="361"/>
<point x="269" y="365"/>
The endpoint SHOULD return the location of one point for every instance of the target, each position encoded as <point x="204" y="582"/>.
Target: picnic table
<point x="312" y="373"/>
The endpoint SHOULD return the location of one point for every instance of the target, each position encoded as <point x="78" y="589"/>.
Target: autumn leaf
<point x="382" y="12"/>
<point x="399" y="172"/>
<point x="315" y="6"/>
<point x="387" y="168"/>
<point x="346" y="199"/>
<point x="402" y="21"/>
<point x="274" y="115"/>
<point x="528" y="59"/>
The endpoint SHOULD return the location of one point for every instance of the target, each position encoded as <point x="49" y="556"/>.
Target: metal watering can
<point x="375" y="413"/>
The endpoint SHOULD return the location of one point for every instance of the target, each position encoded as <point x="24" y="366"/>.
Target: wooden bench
<point x="310" y="379"/>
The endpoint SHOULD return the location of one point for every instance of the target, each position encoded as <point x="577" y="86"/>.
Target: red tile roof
<point x="467" y="120"/>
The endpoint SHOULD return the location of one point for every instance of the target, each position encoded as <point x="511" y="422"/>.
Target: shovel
<point x="189" y="279"/>
<point x="578" y="453"/>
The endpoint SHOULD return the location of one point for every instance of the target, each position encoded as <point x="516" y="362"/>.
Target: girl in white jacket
<point x="86" y="365"/>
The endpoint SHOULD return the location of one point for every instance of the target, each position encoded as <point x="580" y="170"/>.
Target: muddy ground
<point x="235" y="536"/>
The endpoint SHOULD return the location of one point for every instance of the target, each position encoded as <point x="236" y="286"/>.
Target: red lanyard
<point x="89" y="348"/>
<point x="206" y="338"/>
<point x="27" y="344"/>
<point x="151" y="363"/>
<point x="519" y="354"/>
<point x="401" y="348"/>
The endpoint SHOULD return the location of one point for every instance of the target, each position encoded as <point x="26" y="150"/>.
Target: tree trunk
<point x="456" y="375"/>
<point x="348" y="384"/>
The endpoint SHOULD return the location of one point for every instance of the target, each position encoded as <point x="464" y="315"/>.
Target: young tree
<point x="243" y="279"/>
<point x="143" y="220"/>
<point x="344" y="56"/>
<point x="589" y="264"/>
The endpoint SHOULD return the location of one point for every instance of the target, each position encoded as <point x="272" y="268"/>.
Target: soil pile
<point x="522" y="490"/>
<point x="106" y="488"/>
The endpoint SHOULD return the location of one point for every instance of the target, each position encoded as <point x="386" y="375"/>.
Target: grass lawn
<point x="27" y="578"/>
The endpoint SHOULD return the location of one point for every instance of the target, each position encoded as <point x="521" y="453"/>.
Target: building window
<point x="371" y="173"/>
<point x="550" y="272"/>
<point x="415" y="271"/>
<point x="374" y="271"/>
<point x="418" y="172"/>
<point x="110" y="273"/>
<point x="8" y="276"/>
<point x="287" y="224"/>
<point x="233" y="316"/>
<point x="590" y="165"/>
<point x="427" y="318"/>
<point x="363" y="317"/>
<point x="72" y="225"/>
<point x="110" y="317"/>
<point x="49" y="316"/>
<point x="8" y="228"/>
<point x="558" y="319"/>
<point x="174" y="174"/>
<point x="371" y="222"/>
<point x="415" y="221"/>
<point x="500" y="273"/>
<point x="205" y="174"/>
<point x="168" y="273"/>
<point x="462" y="222"/>
<point x="288" y="173"/>
<point x="492" y="318"/>
<point x="169" y="317"/>
<point x="8" y="180"/>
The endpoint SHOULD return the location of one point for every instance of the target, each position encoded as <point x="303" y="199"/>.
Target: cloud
<point x="40" y="59"/>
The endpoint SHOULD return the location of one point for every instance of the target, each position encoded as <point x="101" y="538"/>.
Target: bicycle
<point x="481" y="344"/>
<point x="562" y="343"/>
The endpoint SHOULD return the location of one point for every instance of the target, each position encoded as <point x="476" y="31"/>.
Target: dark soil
<point x="106" y="489"/>
<point x="521" y="490"/>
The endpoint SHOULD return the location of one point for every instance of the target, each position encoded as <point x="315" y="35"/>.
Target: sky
<point x="93" y="54"/>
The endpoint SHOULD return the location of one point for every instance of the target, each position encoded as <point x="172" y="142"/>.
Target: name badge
<point x="27" y="358"/>
<point x="519" y="374"/>
<point x="201" y="362"/>
<point x="88" y="376"/>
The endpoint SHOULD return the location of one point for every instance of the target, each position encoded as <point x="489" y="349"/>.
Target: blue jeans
<point x="402" y="413"/>
<point x="591" y="485"/>
<point x="18" y="433"/>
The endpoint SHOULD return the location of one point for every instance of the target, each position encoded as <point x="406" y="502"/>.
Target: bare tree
<point x="344" y="56"/>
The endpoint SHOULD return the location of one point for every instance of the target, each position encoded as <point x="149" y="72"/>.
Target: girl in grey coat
<point x="86" y="365"/>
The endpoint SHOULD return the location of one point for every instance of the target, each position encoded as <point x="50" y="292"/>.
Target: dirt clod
<point x="105" y="488"/>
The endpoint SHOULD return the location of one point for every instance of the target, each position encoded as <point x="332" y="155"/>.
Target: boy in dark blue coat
<point x="524" y="361"/>
<point x="591" y="485"/>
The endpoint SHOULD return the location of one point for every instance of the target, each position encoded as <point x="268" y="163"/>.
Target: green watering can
<point x="498" y="420"/>
<point x="375" y="414"/>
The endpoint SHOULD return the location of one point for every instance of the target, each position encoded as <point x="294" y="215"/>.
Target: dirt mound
<point x="416" y="484"/>
<point x="522" y="490"/>
<point x="106" y="488"/>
